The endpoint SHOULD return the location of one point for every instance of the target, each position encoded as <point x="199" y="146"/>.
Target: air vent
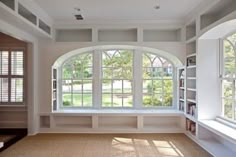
<point x="79" y="17"/>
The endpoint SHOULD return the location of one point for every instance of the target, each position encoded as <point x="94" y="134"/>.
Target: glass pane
<point x="4" y="62"/>
<point x="87" y="86"/>
<point x="17" y="63"/>
<point x="106" y="100"/>
<point x="127" y="73"/>
<point x="168" y="99"/>
<point x="87" y="59"/>
<point x="147" y="61"/>
<point x="227" y="89"/>
<point x="87" y="100"/>
<point x="168" y="86"/>
<point x="228" y="108"/>
<point x="228" y="49"/>
<point x="117" y="100"/>
<point x="147" y="73"/>
<point x="167" y="71"/>
<point x="157" y="100"/>
<point x="3" y="90"/>
<point x="147" y="86"/>
<point x="230" y="67"/>
<point x="17" y="90"/>
<point x="88" y="73"/>
<point x="66" y="86"/>
<point x="147" y="100"/>
<point x="128" y="100"/>
<point x="106" y="86"/>
<point x="67" y="71"/>
<point x="107" y="73"/>
<point x="127" y="85"/>
<point x="77" y="86"/>
<point x="67" y="99"/>
<point x="117" y="86"/>
<point x="117" y="73"/>
<point x="77" y="100"/>
<point x="157" y="86"/>
<point x="157" y="72"/>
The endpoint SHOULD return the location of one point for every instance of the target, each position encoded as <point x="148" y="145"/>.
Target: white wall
<point x="208" y="83"/>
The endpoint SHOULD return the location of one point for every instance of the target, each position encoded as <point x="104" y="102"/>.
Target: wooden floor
<point x="105" y="145"/>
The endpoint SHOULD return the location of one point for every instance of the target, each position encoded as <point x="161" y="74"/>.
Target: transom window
<point x="109" y="79"/>
<point x="229" y="78"/>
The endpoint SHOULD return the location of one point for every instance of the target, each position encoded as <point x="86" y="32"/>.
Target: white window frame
<point x="97" y="82"/>
<point x="222" y="78"/>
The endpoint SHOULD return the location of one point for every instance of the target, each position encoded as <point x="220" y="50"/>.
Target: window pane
<point x="147" y="73"/>
<point x="17" y="90"/>
<point x="77" y="86"/>
<point x="77" y="100"/>
<point x="157" y="86"/>
<point x="228" y="108"/>
<point x="67" y="99"/>
<point x="87" y="73"/>
<point x="117" y="100"/>
<point x="4" y="62"/>
<point x="168" y="97"/>
<point x="227" y="89"/>
<point x="87" y="100"/>
<point x="106" y="100"/>
<point x="88" y="86"/>
<point x="229" y="57"/>
<point x="66" y="86"/>
<point x="106" y="86"/>
<point x="127" y="86"/>
<point x="67" y="71"/>
<point x="127" y="100"/>
<point x="117" y="86"/>
<point x="3" y="90"/>
<point x="147" y="86"/>
<point x="17" y="63"/>
<point x="168" y="86"/>
<point x="107" y="73"/>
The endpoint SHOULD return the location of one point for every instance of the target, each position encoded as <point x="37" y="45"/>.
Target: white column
<point x="97" y="96"/>
<point x="137" y="79"/>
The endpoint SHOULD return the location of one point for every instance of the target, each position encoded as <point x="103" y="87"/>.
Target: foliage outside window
<point x="116" y="80"/>
<point x="229" y="78"/>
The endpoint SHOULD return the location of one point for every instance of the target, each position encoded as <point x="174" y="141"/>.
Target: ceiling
<point x="119" y="9"/>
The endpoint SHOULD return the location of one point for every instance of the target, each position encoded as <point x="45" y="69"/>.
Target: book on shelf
<point x="181" y="83"/>
<point x="181" y="106"/>
<point x="190" y="126"/>
<point x="191" y="61"/>
<point x="191" y="109"/>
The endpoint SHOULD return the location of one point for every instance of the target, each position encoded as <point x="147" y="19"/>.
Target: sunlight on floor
<point x="143" y="147"/>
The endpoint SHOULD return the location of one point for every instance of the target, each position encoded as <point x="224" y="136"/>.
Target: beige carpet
<point x="105" y="145"/>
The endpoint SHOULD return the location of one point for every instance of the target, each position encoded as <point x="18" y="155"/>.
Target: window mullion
<point x="97" y="83"/>
<point x="137" y="82"/>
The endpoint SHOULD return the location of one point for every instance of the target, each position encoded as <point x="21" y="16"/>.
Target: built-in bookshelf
<point x="54" y="89"/>
<point x="181" y="88"/>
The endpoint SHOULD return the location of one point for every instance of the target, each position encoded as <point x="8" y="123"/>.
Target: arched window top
<point x="163" y="54"/>
<point x="114" y="78"/>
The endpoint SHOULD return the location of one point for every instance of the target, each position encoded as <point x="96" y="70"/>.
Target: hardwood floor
<point x="105" y="145"/>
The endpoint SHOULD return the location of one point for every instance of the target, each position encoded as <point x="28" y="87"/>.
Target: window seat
<point x="170" y="112"/>
<point x="220" y="129"/>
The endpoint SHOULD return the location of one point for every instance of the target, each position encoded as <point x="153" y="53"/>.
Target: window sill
<point x="220" y="129"/>
<point x="119" y="111"/>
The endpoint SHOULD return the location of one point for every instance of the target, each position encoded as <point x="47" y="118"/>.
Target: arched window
<point x="229" y="78"/>
<point x="115" y="78"/>
<point x="77" y="84"/>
